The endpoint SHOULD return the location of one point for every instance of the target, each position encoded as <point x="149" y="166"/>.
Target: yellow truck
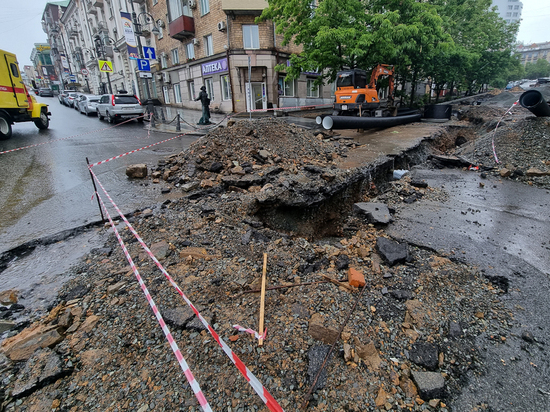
<point x="16" y="104"/>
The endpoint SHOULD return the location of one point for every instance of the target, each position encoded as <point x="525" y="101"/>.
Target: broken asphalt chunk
<point x="391" y="251"/>
<point x="375" y="212"/>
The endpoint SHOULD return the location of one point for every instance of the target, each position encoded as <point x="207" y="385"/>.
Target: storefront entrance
<point x="257" y="99"/>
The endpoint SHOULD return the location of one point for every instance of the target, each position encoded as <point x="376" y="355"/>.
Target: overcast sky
<point x="20" y="25"/>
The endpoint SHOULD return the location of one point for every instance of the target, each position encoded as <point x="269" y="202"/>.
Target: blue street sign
<point x="149" y="53"/>
<point x="143" y="65"/>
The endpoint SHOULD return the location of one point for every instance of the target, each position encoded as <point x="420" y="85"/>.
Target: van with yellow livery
<point x="16" y="104"/>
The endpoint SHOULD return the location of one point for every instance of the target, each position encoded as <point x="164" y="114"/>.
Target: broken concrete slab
<point x="316" y="356"/>
<point x="431" y="385"/>
<point x="137" y="171"/>
<point x="375" y="212"/>
<point x="392" y="252"/>
<point x="424" y="354"/>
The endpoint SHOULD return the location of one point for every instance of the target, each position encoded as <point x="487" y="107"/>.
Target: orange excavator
<point x="354" y="97"/>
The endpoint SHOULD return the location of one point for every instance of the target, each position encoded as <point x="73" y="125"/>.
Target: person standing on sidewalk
<point x="205" y="100"/>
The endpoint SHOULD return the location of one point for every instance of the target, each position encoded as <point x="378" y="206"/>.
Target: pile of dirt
<point x="408" y="344"/>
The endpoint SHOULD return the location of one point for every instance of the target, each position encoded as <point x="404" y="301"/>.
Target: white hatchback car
<point x="116" y="107"/>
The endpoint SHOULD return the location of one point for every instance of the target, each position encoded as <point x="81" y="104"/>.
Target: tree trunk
<point x="452" y="87"/>
<point x="413" y="88"/>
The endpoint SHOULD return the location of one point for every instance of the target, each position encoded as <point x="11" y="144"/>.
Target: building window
<point x="286" y="87"/>
<point x="175" y="9"/>
<point x="226" y="87"/>
<point x="515" y="15"/>
<point x="163" y="61"/>
<point x="190" y="50"/>
<point x="209" y="88"/>
<point x="510" y="7"/>
<point x="251" y="36"/>
<point x="154" y="87"/>
<point x="177" y="93"/>
<point x="208" y="45"/>
<point x="175" y="56"/>
<point x="191" y="89"/>
<point x="516" y="7"/>
<point x="205" y="7"/>
<point x="508" y="14"/>
<point x="312" y="89"/>
<point x="155" y="2"/>
<point x="166" y="94"/>
<point x="161" y="34"/>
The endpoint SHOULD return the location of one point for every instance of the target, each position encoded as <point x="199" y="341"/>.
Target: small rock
<point x="138" y="171"/>
<point x="111" y="290"/>
<point x="375" y="212"/>
<point x="431" y="385"/>
<point x="393" y="252"/>
<point x="505" y="172"/>
<point x="8" y="297"/>
<point x="455" y="331"/>
<point x="356" y="278"/>
<point x="424" y="354"/>
<point x="527" y="336"/>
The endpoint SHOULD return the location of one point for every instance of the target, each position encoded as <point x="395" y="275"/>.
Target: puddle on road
<point x="39" y="275"/>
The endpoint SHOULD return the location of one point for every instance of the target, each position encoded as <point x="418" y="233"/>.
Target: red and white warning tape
<point x="495" y="131"/>
<point x="266" y="397"/>
<point x="181" y="360"/>
<point x="251" y="331"/>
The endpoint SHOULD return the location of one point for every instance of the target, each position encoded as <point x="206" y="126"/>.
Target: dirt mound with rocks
<point x="415" y="324"/>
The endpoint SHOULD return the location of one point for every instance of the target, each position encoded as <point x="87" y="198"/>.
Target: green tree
<point x="541" y="68"/>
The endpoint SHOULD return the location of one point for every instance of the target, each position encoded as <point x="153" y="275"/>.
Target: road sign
<point x="143" y="65"/>
<point x="149" y="53"/>
<point x="146" y="75"/>
<point x="105" y="66"/>
<point x="85" y="72"/>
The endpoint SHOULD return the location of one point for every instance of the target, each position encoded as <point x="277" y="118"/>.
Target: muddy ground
<point x="266" y="187"/>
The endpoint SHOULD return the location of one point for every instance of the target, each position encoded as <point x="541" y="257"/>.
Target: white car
<point x="88" y="104"/>
<point x="116" y="107"/>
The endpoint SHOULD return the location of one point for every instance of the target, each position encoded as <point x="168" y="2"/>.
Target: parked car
<point x="115" y="107"/>
<point x="69" y="99"/>
<point x="88" y="104"/>
<point x="76" y="100"/>
<point x="61" y="96"/>
<point x="45" y="92"/>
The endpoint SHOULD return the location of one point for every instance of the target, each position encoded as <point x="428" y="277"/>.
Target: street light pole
<point x="101" y="49"/>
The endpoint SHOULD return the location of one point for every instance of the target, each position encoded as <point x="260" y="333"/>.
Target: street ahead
<point x="47" y="189"/>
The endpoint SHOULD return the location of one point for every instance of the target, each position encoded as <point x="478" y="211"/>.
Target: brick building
<point x="210" y="42"/>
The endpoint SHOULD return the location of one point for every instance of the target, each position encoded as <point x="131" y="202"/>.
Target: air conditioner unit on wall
<point x="166" y="77"/>
<point x="192" y="4"/>
<point x="195" y="41"/>
<point x="221" y="26"/>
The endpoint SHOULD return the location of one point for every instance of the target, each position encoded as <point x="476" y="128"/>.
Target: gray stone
<point x="455" y="331"/>
<point x="216" y="167"/>
<point x="243" y="181"/>
<point x="424" y="354"/>
<point x="111" y="290"/>
<point x="392" y="252"/>
<point x="316" y="356"/>
<point x="342" y="262"/>
<point x="431" y="385"/>
<point x="190" y="186"/>
<point x="178" y="317"/>
<point x="138" y="171"/>
<point x="161" y="249"/>
<point x="375" y="212"/>
<point x="251" y="235"/>
<point x="6" y="325"/>
<point x="42" y="368"/>
<point x="264" y="154"/>
<point x="401" y="294"/>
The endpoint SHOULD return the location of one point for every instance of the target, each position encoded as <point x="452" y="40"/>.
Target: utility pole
<point x="101" y="51"/>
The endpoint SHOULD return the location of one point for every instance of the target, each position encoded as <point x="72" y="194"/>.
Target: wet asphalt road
<point x="504" y="229"/>
<point x="47" y="189"/>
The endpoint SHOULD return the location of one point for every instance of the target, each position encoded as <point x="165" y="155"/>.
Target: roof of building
<point x="62" y="3"/>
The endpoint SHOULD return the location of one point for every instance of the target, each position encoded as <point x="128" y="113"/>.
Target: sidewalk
<point x="166" y="120"/>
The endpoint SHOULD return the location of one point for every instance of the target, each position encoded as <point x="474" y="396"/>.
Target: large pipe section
<point x="352" y="122"/>
<point x="533" y="101"/>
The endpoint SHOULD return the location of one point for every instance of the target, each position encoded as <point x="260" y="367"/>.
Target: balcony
<point x="250" y="7"/>
<point x="182" y="27"/>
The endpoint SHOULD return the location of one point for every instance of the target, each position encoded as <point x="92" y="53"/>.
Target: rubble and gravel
<point x="413" y="331"/>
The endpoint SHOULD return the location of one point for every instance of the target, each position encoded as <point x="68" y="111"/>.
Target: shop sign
<point x="216" y="66"/>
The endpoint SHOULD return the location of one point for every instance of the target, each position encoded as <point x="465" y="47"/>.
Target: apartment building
<point x="83" y="33"/>
<point x="211" y="43"/>
<point x="509" y="10"/>
<point x="218" y="44"/>
<point x="534" y="52"/>
<point x="45" y="72"/>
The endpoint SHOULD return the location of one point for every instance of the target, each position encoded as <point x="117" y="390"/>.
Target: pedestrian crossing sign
<point x="105" y="66"/>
